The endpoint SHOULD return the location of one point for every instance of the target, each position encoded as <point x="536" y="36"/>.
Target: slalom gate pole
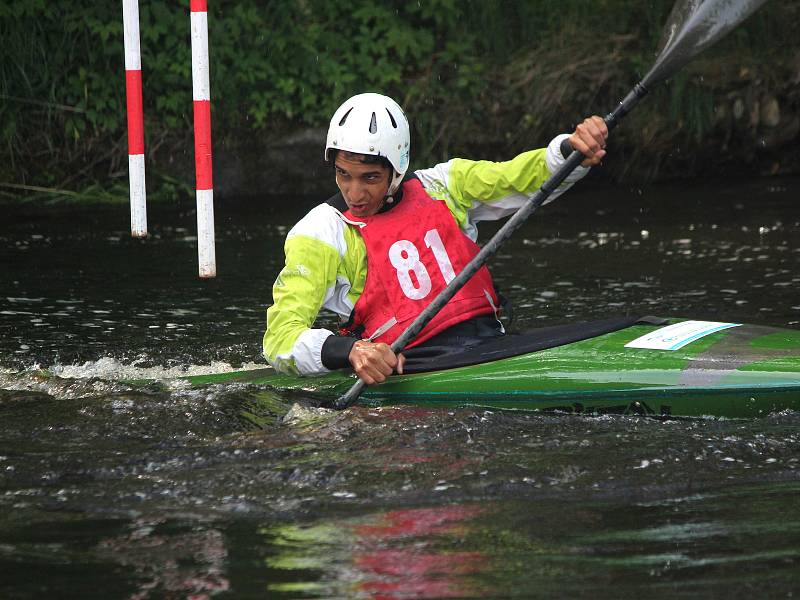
<point x="133" y="93"/>
<point x="201" y="94"/>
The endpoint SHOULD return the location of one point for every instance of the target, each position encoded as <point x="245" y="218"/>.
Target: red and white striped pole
<point x="133" y="91"/>
<point x="201" y="93"/>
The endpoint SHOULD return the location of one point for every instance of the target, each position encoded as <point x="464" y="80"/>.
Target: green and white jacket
<point x="326" y="260"/>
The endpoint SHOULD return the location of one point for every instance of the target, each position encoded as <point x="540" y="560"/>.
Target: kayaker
<point x="410" y="232"/>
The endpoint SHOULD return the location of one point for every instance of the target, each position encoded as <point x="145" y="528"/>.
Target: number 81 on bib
<point x="405" y="258"/>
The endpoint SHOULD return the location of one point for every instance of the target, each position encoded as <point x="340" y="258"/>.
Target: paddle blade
<point x="694" y="25"/>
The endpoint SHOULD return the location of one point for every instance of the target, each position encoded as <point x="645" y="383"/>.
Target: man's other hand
<point x="373" y="363"/>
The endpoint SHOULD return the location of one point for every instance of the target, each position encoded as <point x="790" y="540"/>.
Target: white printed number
<point x="404" y="257"/>
<point x="434" y="242"/>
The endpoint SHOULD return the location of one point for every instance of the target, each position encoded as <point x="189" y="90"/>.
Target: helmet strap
<point x="390" y="198"/>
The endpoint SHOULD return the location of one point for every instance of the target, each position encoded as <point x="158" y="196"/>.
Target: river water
<point x="110" y="489"/>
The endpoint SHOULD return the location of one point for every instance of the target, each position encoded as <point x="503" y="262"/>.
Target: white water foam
<point x="104" y="376"/>
<point x="111" y="369"/>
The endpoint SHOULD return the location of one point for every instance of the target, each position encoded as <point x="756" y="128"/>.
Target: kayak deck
<point x="742" y="371"/>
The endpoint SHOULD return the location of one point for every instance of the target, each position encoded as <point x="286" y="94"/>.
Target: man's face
<point x="363" y="186"/>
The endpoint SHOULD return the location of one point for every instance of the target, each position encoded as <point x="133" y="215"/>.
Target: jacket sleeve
<point x="486" y="190"/>
<point x="291" y="344"/>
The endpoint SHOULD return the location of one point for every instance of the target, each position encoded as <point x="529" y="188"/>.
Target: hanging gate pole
<point x="133" y="93"/>
<point x="201" y="94"/>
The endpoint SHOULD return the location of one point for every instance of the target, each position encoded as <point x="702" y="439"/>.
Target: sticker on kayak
<point x="674" y="337"/>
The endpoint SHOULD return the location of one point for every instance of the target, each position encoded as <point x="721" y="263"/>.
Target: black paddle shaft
<point x="491" y="247"/>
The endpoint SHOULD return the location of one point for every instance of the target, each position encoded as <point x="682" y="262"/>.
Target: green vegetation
<point x="480" y="78"/>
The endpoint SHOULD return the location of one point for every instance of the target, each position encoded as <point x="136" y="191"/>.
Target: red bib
<point x="413" y="251"/>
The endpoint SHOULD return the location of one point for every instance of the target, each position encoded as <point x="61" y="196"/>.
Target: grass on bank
<point x="167" y="189"/>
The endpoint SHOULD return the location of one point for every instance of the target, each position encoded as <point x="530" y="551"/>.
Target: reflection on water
<point x="114" y="488"/>
<point x="511" y="548"/>
<point x="167" y="561"/>
<point x="408" y="553"/>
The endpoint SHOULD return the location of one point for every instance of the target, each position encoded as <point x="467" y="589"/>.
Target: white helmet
<point x="372" y="124"/>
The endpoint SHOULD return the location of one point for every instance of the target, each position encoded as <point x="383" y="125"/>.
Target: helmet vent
<point x="344" y="118"/>
<point x="373" y="124"/>
<point x="391" y="118"/>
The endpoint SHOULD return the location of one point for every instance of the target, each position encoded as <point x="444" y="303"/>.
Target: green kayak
<point x="667" y="367"/>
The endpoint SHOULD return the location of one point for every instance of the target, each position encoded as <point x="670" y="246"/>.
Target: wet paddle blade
<point x="694" y="25"/>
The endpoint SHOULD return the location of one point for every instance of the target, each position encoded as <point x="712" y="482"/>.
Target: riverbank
<point x="473" y="78"/>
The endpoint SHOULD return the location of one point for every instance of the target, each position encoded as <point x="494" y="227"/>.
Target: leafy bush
<point x="478" y="76"/>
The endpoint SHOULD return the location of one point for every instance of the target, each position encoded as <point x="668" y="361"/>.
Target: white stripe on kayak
<point x="678" y="335"/>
